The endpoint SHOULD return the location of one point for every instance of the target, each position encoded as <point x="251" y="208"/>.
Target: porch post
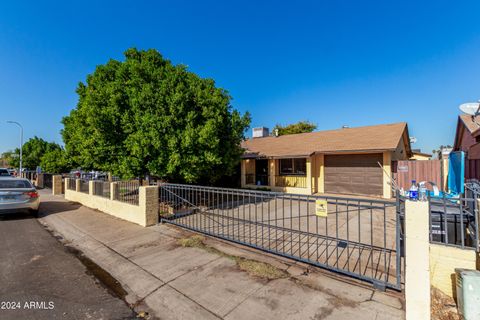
<point x="320" y="173"/>
<point x="309" y="175"/>
<point x="243" y="173"/>
<point x="387" y="172"/>
<point x="272" y="169"/>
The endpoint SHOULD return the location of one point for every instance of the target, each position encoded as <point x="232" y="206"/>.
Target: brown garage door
<point x="354" y="174"/>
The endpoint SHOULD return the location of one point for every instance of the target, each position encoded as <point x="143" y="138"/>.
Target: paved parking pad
<point x="175" y="282"/>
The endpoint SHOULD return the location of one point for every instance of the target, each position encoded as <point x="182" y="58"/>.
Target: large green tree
<point x="55" y="161"/>
<point x="146" y="115"/>
<point x="9" y="159"/>
<point x="33" y="151"/>
<point x="299" y="127"/>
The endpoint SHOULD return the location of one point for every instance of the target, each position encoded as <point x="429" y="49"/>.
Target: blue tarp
<point x="456" y="172"/>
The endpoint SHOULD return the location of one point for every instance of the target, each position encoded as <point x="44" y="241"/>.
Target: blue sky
<point x="331" y="62"/>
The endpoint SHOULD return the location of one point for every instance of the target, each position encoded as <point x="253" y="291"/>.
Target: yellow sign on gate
<point x="321" y="208"/>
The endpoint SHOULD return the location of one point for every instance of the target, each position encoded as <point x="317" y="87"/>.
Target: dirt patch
<point x="260" y="269"/>
<point x="443" y="307"/>
<point x="254" y="268"/>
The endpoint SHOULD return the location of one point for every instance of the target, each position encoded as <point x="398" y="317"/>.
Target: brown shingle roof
<point x="467" y="120"/>
<point x="370" y="138"/>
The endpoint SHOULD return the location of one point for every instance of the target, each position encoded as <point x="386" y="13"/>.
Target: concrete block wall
<point x="57" y="185"/>
<point x="444" y="260"/>
<point x="428" y="264"/>
<point x="144" y="214"/>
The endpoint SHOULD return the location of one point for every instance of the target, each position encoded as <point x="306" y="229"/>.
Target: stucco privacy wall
<point x="443" y="261"/>
<point x="145" y="214"/>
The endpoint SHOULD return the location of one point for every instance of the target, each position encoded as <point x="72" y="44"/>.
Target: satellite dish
<point x="413" y="139"/>
<point x="471" y="108"/>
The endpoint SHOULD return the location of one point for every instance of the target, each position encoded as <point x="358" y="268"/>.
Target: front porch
<point x="292" y="175"/>
<point x="307" y="175"/>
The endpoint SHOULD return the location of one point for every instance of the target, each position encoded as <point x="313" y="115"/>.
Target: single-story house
<point x="345" y="161"/>
<point x="467" y="136"/>
<point x="419" y="155"/>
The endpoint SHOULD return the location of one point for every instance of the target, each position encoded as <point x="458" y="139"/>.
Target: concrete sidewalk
<point x="173" y="277"/>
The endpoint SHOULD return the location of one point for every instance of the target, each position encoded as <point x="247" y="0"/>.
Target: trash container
<point x="468" y="293"/>
<point x="448" y="226"/>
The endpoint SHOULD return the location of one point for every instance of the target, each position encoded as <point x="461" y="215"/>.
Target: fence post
<point x="148" y="202"/>
<point x="417" y="260"/>
<point x="77" y="185"/>
<point x="113" y="190"/>
<point x="91" y="185"/>
<point x="57" y="184"/>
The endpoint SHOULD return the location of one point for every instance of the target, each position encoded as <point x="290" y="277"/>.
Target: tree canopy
<point x="299" y="127"/>
<point x="7" y="159"/>
<point x="50" y="156"/>
<point x="146" y="115"/>
<point x="55" y="161"/>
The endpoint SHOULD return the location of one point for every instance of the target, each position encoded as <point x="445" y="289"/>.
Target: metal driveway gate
<point x="357" y="237"/>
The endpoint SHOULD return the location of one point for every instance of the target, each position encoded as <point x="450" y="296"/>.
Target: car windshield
<point x="4" y="172"/>
<point x="14" y="184"/>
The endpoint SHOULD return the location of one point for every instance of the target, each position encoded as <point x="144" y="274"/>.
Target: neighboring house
<point x="336" y="161"/>
<point x="418" y="155"/>
<point x="467" y="136"/>
<point x="467" y="139"/>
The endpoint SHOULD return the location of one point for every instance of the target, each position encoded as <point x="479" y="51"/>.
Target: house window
<point x="294" y="166"/>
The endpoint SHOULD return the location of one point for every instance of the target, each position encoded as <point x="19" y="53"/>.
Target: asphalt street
<point x="41" y="279"/>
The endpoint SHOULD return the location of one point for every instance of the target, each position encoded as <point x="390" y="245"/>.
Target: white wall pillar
<point x="417" y="260"/>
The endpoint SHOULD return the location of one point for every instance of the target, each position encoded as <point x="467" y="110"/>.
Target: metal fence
<point x="127" y="191"/>
<point x="101" y="188"/>
<point x="30" y="175"/>
<point x="356" y="237"/>
<point x="72" y="184"/>
<point x="47" y="180"/>
<point x="84" y="185"/>
<point x="452" y="221"/>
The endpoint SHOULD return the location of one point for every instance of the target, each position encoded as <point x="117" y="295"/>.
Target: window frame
<point x="293" y="166"/>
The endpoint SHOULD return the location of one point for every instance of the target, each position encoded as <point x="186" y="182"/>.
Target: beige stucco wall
<point x="57" y="185"/>
<point x="443" y="261"/>
<point x="145" y="214"/>
<point x="318" y="173"/>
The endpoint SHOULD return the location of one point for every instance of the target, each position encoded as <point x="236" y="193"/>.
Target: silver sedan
<point x="18" y="195"/>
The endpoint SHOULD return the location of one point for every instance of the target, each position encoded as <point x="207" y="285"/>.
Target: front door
<point x="261" y="172"/>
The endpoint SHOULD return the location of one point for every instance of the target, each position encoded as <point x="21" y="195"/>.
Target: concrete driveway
<point x="208" y="280"/>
